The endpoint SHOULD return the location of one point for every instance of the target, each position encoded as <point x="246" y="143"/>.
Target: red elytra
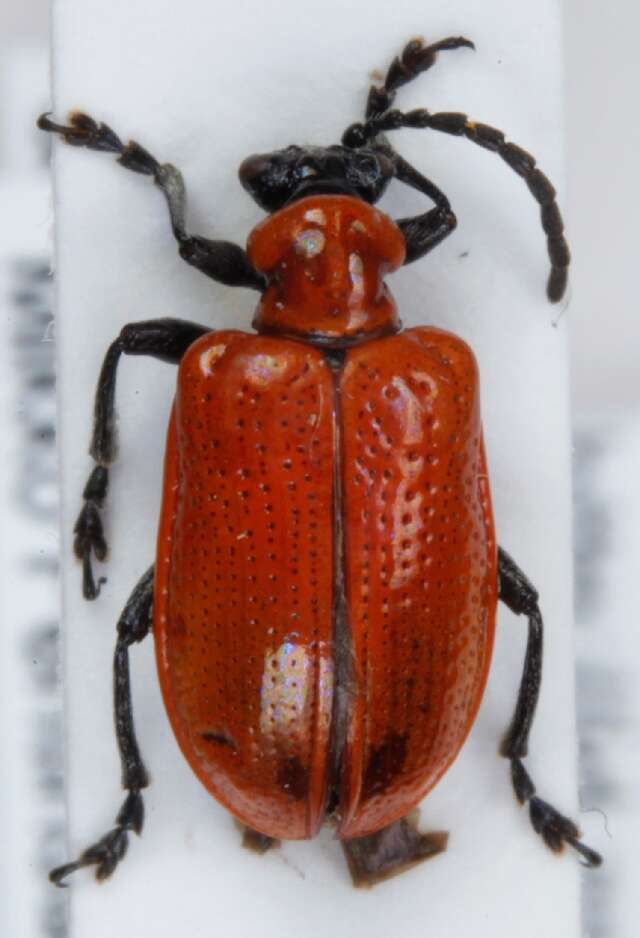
<point x="326" y="572"/>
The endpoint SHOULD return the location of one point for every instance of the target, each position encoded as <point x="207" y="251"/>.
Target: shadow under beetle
<point x="324" y="594"/>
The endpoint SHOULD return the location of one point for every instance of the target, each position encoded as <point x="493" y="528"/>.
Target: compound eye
<point x="367" y="167"/>
<point x="386" y="166"/>
<point x="363" y="170"/>
<point x="306" y="171"/>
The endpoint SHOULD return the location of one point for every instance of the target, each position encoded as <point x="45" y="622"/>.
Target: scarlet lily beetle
<point x="324" y="593"/>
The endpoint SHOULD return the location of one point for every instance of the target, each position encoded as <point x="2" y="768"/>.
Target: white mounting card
<point x="203" y="85"/>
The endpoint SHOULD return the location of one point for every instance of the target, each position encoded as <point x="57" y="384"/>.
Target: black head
<point x="273" y="179"/>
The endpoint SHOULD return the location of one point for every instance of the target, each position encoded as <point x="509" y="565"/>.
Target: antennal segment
<point x="414" y="59"/>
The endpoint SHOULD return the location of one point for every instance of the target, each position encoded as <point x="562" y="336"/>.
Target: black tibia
<point x="166" y="339"/>
<point x="391" y="851"/>
<point x="106" y="853"/>
<point x="426" y="231"/>
<point x="519" y="595"/>
<point x="221" y="260"/>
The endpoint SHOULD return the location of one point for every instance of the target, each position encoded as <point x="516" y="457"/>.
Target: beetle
<point x="324" y="593"/>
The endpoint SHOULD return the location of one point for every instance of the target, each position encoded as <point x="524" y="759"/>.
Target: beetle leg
<point x="423" y="232"/>
<point x="106" y="853"/>
<point x="89" y="534"/>
<point x="517" y="593"/>
<point x="166" y="339"/>
<point x="221" y="260"/>
<point x="391" y="851"/>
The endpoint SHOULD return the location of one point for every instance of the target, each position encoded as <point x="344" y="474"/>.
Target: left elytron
<point x="324" y="595"/>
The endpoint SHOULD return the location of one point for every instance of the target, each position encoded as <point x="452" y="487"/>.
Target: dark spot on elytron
<point x="410" y="687"/>
<point x="220" y="737"/>
<point x="384" y="765"/>
<point x="293" y="777"/>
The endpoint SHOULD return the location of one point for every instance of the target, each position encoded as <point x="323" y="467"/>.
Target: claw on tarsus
<point x="90" y="588"/>
<point x="557" y="830"/>
<point x="107" y="852"/>
<point x="104" y="855"/>
<point x="83" y="131"/>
